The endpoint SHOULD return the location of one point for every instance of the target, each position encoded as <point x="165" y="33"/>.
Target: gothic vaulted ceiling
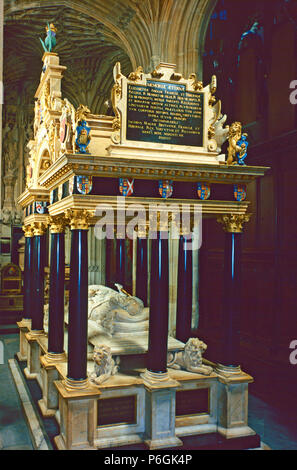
<point x="94" y="34"/>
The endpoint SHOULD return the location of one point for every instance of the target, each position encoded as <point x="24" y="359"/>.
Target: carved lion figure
<point x="234" y="137"/>
<point x="190" y="358"/>
<point x="104" y="365"/>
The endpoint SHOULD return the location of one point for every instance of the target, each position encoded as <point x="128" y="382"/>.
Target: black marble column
<point x="231" y="301"/>
<point x="121" y="261"/>
<point x="141" y="270"/>
<point x="28" y="272"/>
<point x="78" y="306"/>
<point x="158" y="324"/>
<point x="56" y="294"/>
<point x="184" y="290"/>
<point x="37" y="293"/>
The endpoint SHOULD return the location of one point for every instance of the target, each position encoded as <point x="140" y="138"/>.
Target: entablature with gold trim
<point x="118" y="167"/>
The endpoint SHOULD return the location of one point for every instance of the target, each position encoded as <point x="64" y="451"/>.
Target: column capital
<point x="28" y="231"/>
<point x="233" y="223"/>
<point x="39" y="228"/>
<point x="57" y="223"/>
<point x="79" y="219"/>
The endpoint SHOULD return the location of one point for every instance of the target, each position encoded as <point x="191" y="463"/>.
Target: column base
<point x="76" y="385"/>
<point x="241" y="431"/>
<point x="35" y="333"/>
<point x="163" y="443"/>
<point x="78" y="418"/>
<point x="160" y="410"/>
<point x="228" y="371"/>
<point x="158" y="379"/>
<point x="46" y="412"/>
<point x="30" y="375"/>
<point x="24" y="326"/>
<point x="32" y="370"/>
<point x="50" y="400"/>
<point x="61" y="445"/>
<point x="55" y="357"/>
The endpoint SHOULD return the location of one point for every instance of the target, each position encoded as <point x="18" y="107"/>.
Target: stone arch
<point x="148" y="31"/>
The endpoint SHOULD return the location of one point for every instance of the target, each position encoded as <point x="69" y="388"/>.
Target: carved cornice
<point x="233" y="223"/>
<point x="78" y="219"/>
<point x="58" y="223"/>
<point x="146" y="168"/>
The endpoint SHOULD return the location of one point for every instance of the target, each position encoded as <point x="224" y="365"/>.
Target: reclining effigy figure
<point x="115" y="313"/>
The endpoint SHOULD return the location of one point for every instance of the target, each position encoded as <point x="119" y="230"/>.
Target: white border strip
<point x="37" y="435"/>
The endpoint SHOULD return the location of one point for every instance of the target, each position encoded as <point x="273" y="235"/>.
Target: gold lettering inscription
<point x="165" y="112"/>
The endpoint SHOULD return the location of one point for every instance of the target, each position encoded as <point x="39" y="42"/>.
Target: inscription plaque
<point x="164" y="113"/>
<point x="192" y="402"/>
<point x="120" y="410"/>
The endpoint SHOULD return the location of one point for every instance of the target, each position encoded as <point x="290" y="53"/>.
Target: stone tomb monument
<point x="113" y="377"/>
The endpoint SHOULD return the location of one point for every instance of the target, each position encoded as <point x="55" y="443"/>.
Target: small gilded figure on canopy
<point x="50" y="41"/>
<point x="83" y="137"/>
<point x="238" y="144"/>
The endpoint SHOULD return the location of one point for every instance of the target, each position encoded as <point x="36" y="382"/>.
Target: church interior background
<point x="239" y="296"/>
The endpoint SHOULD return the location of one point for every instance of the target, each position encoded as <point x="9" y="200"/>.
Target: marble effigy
<point x="118" y="321"/>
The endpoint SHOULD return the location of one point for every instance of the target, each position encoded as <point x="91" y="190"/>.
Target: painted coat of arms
<point x="239" y="192"/>
<point x="203" y="191"/>
<point x="63" y="129"/>
<point x="165" y="188"/>
<point x="126" y="186"/>
<point x="84" y="184"/>
<point x="40" y="207"/>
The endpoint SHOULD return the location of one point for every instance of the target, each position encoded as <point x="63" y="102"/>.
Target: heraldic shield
<point x="203" y="191"/>
<point x="165" y="188"/>
<point x="126" y="186"/>
<point x="239" y="192"/>
<point x="84" y="184"/>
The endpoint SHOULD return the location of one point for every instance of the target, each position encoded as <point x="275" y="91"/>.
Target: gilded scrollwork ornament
<point x="136" y="75"/>
<point x="196" y="84"/>
<point x="116" y="94"/>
